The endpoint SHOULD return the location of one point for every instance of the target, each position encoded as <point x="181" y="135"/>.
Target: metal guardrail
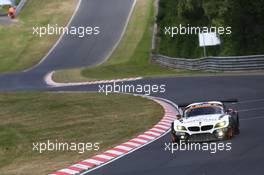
<point x="213" y="64"/>
<point x="20" y="6"/>
<point x="223" y="64"/>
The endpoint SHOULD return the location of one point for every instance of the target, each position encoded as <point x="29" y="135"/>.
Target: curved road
<point x="246" y="156"/>
<point x="72" y="52"/>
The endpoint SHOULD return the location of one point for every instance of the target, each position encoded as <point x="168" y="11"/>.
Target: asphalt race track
<point x="246" y="156"/>
<point x="71" y="52"/>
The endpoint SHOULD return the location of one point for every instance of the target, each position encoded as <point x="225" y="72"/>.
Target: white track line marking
<point x="93" y="161"/>
<point x="153" y="133"/>
<point x="49" y="81"/>
<point x="140" y="140"/>
<point x="104" y="156"/>
<point x="81" y="166"/>
<point x="162" y="126"/>
<point x="132" y="144"/>
<point x="158" y="130"/>
<point x="147" y="137"/>
<point x="166" y="120"/>
<point x="68" y="171"/>
<point x="124" y="148"/>
<point x="114" y="152"/>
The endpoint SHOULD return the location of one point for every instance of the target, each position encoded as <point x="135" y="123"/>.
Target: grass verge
<point x="67" y="117"/>
<point x="131" y="58"/>
<point x="19" y="49"/>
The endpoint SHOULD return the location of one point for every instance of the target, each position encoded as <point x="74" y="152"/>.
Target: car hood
<point x="201" y="120"/>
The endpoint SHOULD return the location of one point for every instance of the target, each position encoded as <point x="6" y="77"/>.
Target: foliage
<point x="245" y="18"/>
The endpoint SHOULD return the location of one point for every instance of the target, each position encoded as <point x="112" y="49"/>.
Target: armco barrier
<point x="20" y="6"/>
<point x="223" y="64"/>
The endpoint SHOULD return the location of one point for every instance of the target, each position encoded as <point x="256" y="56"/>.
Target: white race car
<point x="205" y="121"/>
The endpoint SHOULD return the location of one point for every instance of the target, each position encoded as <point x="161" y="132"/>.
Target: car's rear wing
<point x="184" y="105"/>
<point x="229" y="101"/>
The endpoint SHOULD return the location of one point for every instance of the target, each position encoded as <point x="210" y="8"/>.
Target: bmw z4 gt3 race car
<point x="205" y="121"/>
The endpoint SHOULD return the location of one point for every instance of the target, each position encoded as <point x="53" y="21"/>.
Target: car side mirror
<point x="178" y="116"/>
<point x="229" y="110"/>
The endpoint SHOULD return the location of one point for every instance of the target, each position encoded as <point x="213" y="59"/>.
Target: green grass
<point x="19" y="49"/>
<point x="67" y="117"/>
<point x="4" y="9"/>
<point x="244" y="17"/>
<point x="131" y="58"/>
<point x="17" y="2"/>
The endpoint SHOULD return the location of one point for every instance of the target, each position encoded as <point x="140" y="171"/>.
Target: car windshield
<point x="203" y="111"/>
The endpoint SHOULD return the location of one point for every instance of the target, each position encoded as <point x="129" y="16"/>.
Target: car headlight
<point x="180" y="128"/>
<point x="220" y="124"/>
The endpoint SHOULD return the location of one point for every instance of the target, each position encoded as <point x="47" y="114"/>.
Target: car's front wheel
<point x="174" y="139"/>
<point x="230" y="133"/>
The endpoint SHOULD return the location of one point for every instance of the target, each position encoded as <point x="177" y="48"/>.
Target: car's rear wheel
<point x="236" y="124"/>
